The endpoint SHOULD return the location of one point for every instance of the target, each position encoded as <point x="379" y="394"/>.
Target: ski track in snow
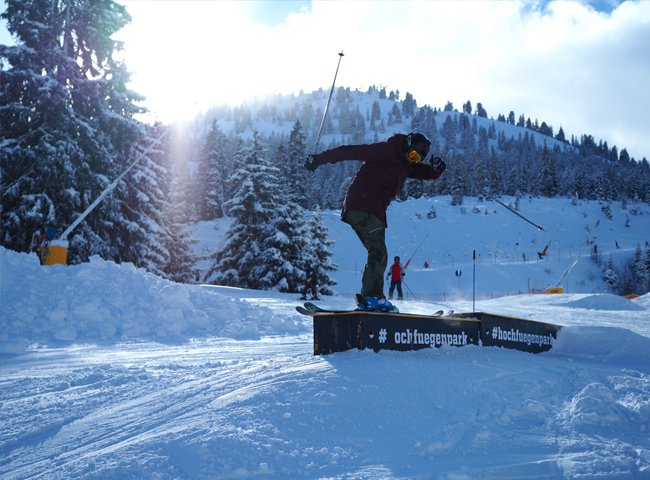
<point x="232" y="409"/>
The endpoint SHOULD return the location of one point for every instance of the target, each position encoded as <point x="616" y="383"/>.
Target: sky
<point x="582" y="66"/>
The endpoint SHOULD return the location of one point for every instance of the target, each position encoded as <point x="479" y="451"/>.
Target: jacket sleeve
<point x="364" y="153"/>
<point x="423" y="171"/>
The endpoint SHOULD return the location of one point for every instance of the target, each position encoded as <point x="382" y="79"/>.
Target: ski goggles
<point x="416" y="157"/>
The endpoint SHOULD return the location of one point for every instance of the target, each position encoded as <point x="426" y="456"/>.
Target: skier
<point x="543" y="253"/>
<point x="396" y="275"/>
<point x="310" y="285"/>
<point x="386" y="165"/>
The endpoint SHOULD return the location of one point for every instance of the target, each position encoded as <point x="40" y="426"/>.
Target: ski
<point x="441" y="313"/>
<point x="309" y="308"/>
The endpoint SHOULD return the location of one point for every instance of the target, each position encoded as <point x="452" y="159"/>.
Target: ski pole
<point x="407" y="287"/>
<point x="539" y="227"/>
<point x="322" y="122"/>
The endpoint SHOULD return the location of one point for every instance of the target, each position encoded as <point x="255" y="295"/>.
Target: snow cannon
<point x="56" y="253"/>
<point x="50" y="250"/>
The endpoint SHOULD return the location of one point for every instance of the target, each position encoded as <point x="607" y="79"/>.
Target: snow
<point x="108" y="371"/>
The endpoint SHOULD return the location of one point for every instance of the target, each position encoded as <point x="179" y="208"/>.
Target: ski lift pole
<point x="415" y="251"/>
<point x="567" y="271"/>
<point x="473" y="280"/>
<point x="539" y="227"/>
<point x="322" y="122"/>
<point x="109" y="189"/>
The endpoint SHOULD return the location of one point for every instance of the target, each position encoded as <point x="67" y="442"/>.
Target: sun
<point x="186" y="57"/>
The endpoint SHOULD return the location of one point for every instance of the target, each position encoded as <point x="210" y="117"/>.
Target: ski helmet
<point x="417" y="146"/>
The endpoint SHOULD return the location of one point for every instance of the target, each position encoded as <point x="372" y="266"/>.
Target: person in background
<point x="396" y="275"/>
<point x="310" y="285"/>
<point x="386" y="165"/>
<point x="39" y="244"/>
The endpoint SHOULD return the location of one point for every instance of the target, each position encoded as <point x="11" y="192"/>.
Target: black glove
<point x="310" y="163"/>
<point x="438" y="164"/>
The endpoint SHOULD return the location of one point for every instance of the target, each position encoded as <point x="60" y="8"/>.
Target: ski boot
<point x="375" y="304"/>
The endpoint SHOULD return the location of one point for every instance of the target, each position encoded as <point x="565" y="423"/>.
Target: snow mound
<point x="105" y="302"/>
<point x="604" y="301"/>
<point x="606" y="344"/>
<point x="643" y="301"/>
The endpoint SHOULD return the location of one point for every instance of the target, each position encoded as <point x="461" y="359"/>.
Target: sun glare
<point x="188" y="56"/>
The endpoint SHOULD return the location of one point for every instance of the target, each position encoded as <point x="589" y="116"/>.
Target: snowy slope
<point x="506" y="246"/>
<point x="111" y="372"/>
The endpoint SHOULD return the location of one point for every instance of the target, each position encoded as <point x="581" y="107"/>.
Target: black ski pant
<point x="372" y="233"/>
<point x="393" y="284"/>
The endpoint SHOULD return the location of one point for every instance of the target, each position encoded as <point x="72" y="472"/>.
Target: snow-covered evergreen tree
<point x="294" y="175"/>
<point x="610" y="275"/>
<point x="250" y="254"/>
<point x="647" y="269"/>
<point x="640" y="271"/>
<point x="67" y="121"/>
<point x="318" y="254"/>
<point x="213" y="171"/>
<point x="140" y="236"/>
<point x="284" y="252"/>
<point x="547" y="180"/>
<point x="168" y="236"/>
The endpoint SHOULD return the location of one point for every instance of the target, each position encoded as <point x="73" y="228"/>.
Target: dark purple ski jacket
<point x="380" y="178"/>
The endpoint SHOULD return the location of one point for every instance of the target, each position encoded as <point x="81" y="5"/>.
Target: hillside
<point x="502" y="155"/>
<point x="506" y="246"/>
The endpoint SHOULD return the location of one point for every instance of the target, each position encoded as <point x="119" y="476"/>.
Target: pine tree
<point x="140" y="236"/>
<point x="285" y="249"/>
<point x="318" y="253"/>
<point x="479" y="175"/>
<point x="646" y="289"/>
<point x="292" y="170"/>
<point x="67" y="121"/>
<point x="493" y="174"/>
<point x="547" y="179"/>
<point x="213" y="171"/>
<point x="448" y="132"/>
<point x="457" y="185"/>
<point x="640" y="271"/>
<point x="610" y="276"/>
<point x="177" y="262"/>
<point x="250" y="253"/>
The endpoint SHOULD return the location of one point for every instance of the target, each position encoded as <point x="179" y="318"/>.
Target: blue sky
<point x="582" y="66"/>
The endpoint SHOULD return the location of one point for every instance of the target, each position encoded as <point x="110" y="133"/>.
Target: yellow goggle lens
<point x="414" y="156"/>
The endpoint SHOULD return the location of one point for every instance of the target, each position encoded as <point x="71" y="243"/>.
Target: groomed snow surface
<point x="110" y="372"/>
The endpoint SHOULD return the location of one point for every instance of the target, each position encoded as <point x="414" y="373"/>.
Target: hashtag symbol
<point x="382" y="335"/>
<point x="495" y="333"/>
